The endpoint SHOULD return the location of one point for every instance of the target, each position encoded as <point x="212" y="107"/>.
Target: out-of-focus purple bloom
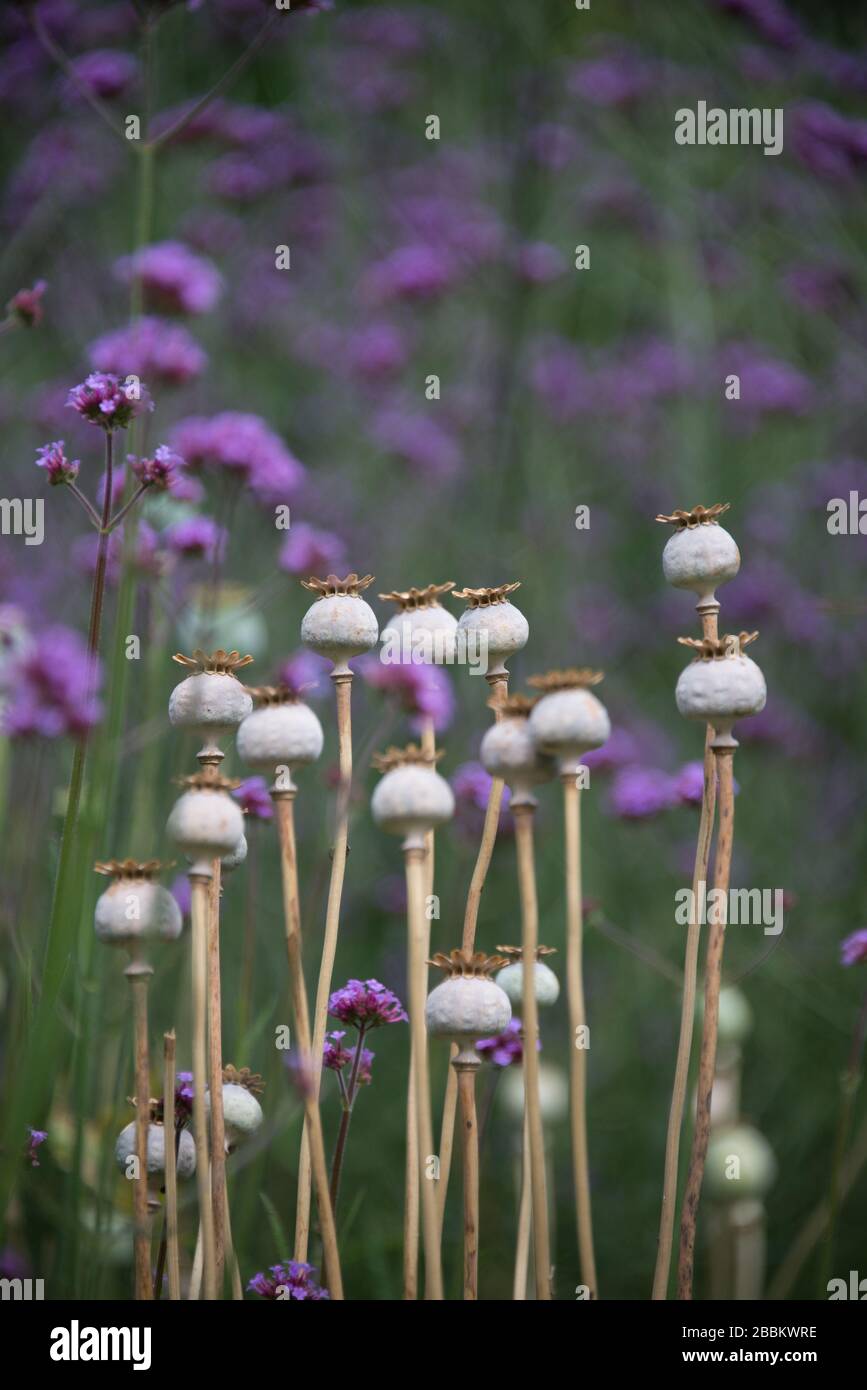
<point x="159" y="471"/>
<point x="26" y="305"/>
<point x="552" y="146"/>
<point x="52" y="688"/>
<point x="689" y="784"/>
<point x="639" y="793"/>
<point x="255" y="799"/>
<point x="419" y="272"/>
<point x="304" y="673"/>
<point x="242" y="444"/>
<point x="783" y="727"/>
<point x="36" y="1137"/>
<point x="157" y="349"/>
<point x="424" y="691"/>
<point x="539" y="263"/>
<point x="616" y="76"/>
<point x="104" y="72"/>
<point x="623" y="747"/>
<point x="831" y="145"/>
<point x="559" y="375"/>
<point x="507" y="1047"/>
<point x="366" y="1004"/>
<point x="376" y="351"/>
<point x="419" y="439"/>
<point x="770" y="18"/>
<point x="334" y="1055"/>
<point x="175" y="280"/>
<point x="853" y="950"/>
<point x="104" y="400"/>
<point x="308" y="550"/>
<point x="767" y="383"/>
<point x="59" y="468"/>
<point x="14" y="1265"/>
<point x="288" y="1281"/>
<point x="821" y="289"/>
<point x="195" y="537"/>
<point x="364" y="1076"/>
<point x="183" y="895"/>
<point x="471" y="785"/>
<point x="838" y="68"/>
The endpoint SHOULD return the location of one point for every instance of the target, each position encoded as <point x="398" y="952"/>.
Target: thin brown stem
<point x="525" y="1220"/>
<point x="127" y="506"/>
<point x="349" y="1095"/>
<point x="172" y="1255"/>
<point x="138" y="974"/>
<point x="523" y="815"/>
<point x="466" y="1070"/>
<point x="85" y="502"/>
<point x="63" y="62"/>
<point x="707" y="1060"/>
<point x="417" y="930"/>
<point x="578" y="1045"/>
<point x="215" y="1078"/>
<point x="307" y="1070"/>
<point x="200" y="884"/>
<point x="229" y="76"/>
<point x="687" y="1026"/>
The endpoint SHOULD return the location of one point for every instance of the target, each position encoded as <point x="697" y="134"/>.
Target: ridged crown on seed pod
<point x="511" y="977"/>
<point x="720" y="684"/>
<point x="493" y="621"/>
<point x="211" y="701"/>
<point x="509" y="750"/>
<point x="340" y="624"/>
<point x="412" y="796"/>
<point x="701" y="554"/>
<point x="281" y="731"/>
<point x="567" y="719"/>
<point x="205" y="822"/>
<point x="421" y="629"/>
<point x="468" y="1004"/>
<point x="242" y="1112"/>
<point x="156" y="914"/>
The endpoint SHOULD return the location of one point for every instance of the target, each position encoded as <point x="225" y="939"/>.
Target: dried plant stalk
<point x="343" y="694"/>
<point x="172" y="1254"/>
<point x="200" y="885"/>
<point x="707" y="1062"/>
<point x="414" y="858"/>
<point x="523" y="816"/>
<point x="466" y="1069"/>
<point x="284" y="814"/>
<point x="215" y="1078"/>
<point x="525" y="1220"/>
<point x="231" y="1257"/>
<point x="138" y="973"/>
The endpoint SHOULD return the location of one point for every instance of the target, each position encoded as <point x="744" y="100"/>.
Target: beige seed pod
<point x="568" y="720"/>
<point x="135" y="908"/>
<point x="509" y="751"/>
<point x="211" y="702"/>
<point x="340" y="624"/>
<point x="125" y="1149"/>
<point x="281" y="732"/>
<point x="492" y="625"/>
<point x="701" y="554"/>
<point x="720" y="685"/>
<point x="205" y="822"/>
<point x="468" y="1005"/>
<point x="411" y="796"/>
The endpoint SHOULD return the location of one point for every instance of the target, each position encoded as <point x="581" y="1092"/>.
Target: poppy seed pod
<point x="421" y="630"/>
<point x="210" y="618"/>
<point x="511" y="977"/>
<point x="701" y="554"/>
<point x="735" y="1016"/>
<point x="468" y="1005"/>
<point x="134" y="907"/>
<point x="234" y="860"/>
<point x="720" y="684"/>
<point x="567" y="720"/>
<point x="242" y="1113"/>
<point x="412" y="797"/>
<point x="205" y="823"/>
<point x="492" y="625"/>
<point x="740" y="1164"/>
<point x="125" y="1149"/>
<point x="509" y="751"/>
<point x="281" y="732"/>
<point x="553" y="1092"/>
<point x="340" y="624"/>
<point x="211" y="702"/>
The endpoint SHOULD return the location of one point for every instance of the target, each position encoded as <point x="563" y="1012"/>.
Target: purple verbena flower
<point x="255" y="799"/>
<point x="104" y="72"/>
<point x="35" y="1139"/>
<point x="26" y="305"/>
<point x="853" y="950"/>
<point x="471" y="784"/>
<point x="175" y="280"/>
<point x="52" y="687"/>
<point x="304" y="674"/>
<point x="182" y="894"/>
<point x="507" y="1047"/>
<point x="152" y="348"/>
<point x="195" y="536"/>
<point x="158" y="472"/>
<point x="418" y="272"/>
<point x="307" y="550"/>
<point x="334" y="1055"/>
<point x="364" y="1075"/>
<point x="291" y="1280"/>
<point x="423" y="691"/>
<point x="366" y="1004"/>
<point x="60" y="469"/>
<point x="242" y="444"/>
<point x="104" y="400"/>
<point x="639" y="793"/>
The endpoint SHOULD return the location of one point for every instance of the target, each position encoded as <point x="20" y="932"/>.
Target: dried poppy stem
<point x="343" y="693"/>
<point x="466" y="1065"/>
<point x="577" y="1022"/>
<point x="707" y="1063"/>
<point x="418" y="928"/>
<point x="308" y="1073"/>
<point x="200" y="884"/>
<point x="709" y="620"/>
<point x="523" y="816"/>
<point x="499" y="685"/>
<point x="138" y="972"/>
<point x="172" y="1255"/>
<point x="215" y="1079"/>
<point x="232" y="1258"/>
<point x="525" y="1215"/>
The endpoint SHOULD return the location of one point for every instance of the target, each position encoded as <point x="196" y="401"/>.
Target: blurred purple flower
<point x="419" y="272"/>
<point x="288" y="1281"/>
<point x="195" y="536"/>
<point x="539" y="263"/>
<point x="36" y="1138"/>
<point x="242" y="444"/>
<point x="770" y="18"/>
<point x="423" y="691"/>
<point x="104" y="72"/>
<point x="154" y="348"/>
<point x="552" y="146"/>
<point x="174" y="279"/>
<point x="26" y="305"/>
<point x="507" y="1047"/>
<point x="367" y="1004"/>
<point x="421" y="441"/>
<point x="831" y="145"/>
<point x="471" y="785"/>
<point x="304" y="673"/>
<point x="639" y="793"/>
<point x="767" y="383"/>
<point x="102" y="399"/>
<point x="308" y="550"/>
<point x="616" y="76"/>
<point x="689" y="784"/>
<point x="377" y="350"/>
<point x="183" y="896"/>
<point x="853" y="950"/>
<point x="255" y="799"/>
<point x="52" y="687"/>
<point x="821" y="289"/>
<point x="59" y="468"/>
<point x="364" y="1076"/>
<point x="559" y="375"/>
<point x="334" y="1055"/>
<point x="159" y="471"/>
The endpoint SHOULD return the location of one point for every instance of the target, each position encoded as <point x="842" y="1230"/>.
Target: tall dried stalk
<point x="525" y="1221"/>
<point x="523" y="815"/>
<point x="138" y="973"/>
<point x="417" y="926"/>
<point x="707" y="1063"/>
<point x="200" y="884"/>
<point x="284" y="815"/>
<point x="172" y="1256"/>
<point x="466" y="1064"/>
<point x="215" y="1078"/>
<point x="343" y="695"/>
